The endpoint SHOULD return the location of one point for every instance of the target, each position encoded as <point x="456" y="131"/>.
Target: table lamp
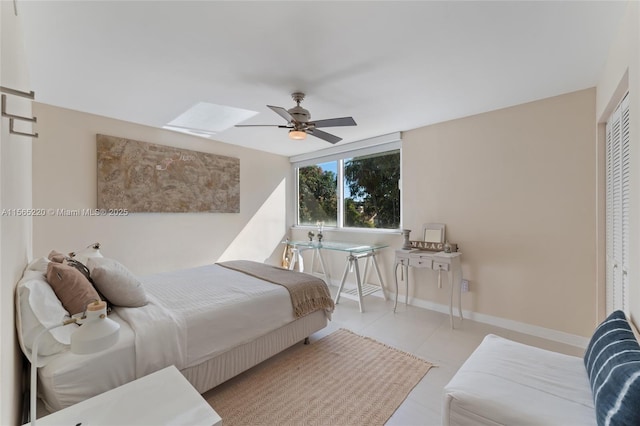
<point x="97" y="333"/>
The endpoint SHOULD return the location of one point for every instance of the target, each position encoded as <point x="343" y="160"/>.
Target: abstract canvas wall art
<point x="145" y="177"/>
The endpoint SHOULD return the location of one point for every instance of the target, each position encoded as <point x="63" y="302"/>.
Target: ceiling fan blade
<point x="282" y="113"/>
<point x="282" y="126"/>
<point x="335" y="122"/>
<point x="324" y="135"/>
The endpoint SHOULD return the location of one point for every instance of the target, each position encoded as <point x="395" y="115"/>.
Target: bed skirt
<point x="215" y="371"/>
<point x="72" y="378"/>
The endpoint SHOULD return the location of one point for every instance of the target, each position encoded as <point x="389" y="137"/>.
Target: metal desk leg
<point x="366" y="269"/>
<point x="406" y="285"/>
<point x="458" y="269"/>
<point x="358" y="281"/>
<point x="324" y="267"/>
<point x="375" y="265"/>
<point x="344" y="278"/>
<point x="460" y="302"/>
<point x="395" y="278"/>
<point x="450" y="274"/>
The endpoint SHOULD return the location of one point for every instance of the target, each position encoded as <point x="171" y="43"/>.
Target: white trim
<point x="338" y="152"/>
<point x="339" y="194"/>
<point x="521" y="327"/>
<point x="330" y="229"/>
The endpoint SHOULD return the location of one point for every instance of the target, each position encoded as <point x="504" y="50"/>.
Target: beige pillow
<point x="56" y="256"/>
<point x="72" y="288"/>
<point x="118" y="285"/>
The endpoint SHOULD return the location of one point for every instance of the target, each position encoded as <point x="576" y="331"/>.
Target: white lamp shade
<point x="96" y="333"/>
<point x="297" y="135"/>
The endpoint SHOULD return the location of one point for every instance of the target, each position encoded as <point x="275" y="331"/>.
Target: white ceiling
<point x="391" y="65"/>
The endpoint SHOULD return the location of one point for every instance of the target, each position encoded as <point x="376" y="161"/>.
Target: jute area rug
<point x="342" y="379"/>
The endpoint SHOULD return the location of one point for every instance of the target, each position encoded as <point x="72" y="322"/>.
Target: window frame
<point x="381" y="144"/>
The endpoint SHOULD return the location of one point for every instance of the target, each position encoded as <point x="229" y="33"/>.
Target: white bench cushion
<point x="509" y="383"/>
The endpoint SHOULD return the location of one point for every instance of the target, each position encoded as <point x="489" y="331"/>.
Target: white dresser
<point x="448" y="263"/>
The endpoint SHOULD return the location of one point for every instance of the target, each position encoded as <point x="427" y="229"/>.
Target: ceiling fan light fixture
<point x="297" y="135"/>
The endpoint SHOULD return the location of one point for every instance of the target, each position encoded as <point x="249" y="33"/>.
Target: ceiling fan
<point x="299" y="124"/>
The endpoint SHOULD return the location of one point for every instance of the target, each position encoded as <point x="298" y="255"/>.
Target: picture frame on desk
<point x="434" y="232"/>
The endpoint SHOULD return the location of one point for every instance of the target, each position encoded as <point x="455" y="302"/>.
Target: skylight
<point x="205" y="119"/>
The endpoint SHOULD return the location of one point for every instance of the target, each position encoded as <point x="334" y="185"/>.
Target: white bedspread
<point x="197" y="313"/>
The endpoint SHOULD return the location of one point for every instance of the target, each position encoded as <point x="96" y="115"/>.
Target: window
<point x="318" y="194"/>
<point x="371" y="191"/>
<point x="354" y="189"/>
<point x="618" y="168"/>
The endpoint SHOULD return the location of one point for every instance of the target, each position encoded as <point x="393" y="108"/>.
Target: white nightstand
<point x="161" y="398"/>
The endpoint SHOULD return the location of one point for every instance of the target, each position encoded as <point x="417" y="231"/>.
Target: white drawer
<point x="403" y="255"/>
<point x="420" y="262"/>
<point x="441" y="266"/>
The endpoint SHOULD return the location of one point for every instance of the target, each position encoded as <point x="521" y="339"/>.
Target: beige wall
<point x="15" y="193"/>
<point x="516" y="189"/>
<point x="622" y="74"/>
<point x="64" y="177"/>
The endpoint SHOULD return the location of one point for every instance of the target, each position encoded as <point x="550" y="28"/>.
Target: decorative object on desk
<point x="407" y="244"/>
<point x="97" y="334"/>
<point x="287" y="255"/>
<point x="447" y="247"/>
<point x="425" y="245"/>
<point x="434" y="232"/>
<point x="311" y="235"/>
<point x="320" y="226"/>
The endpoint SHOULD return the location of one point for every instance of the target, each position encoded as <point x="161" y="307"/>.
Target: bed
<point x="212" y="322"/>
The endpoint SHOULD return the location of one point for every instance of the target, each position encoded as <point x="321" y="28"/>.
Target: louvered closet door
<point x="617" y="207"/>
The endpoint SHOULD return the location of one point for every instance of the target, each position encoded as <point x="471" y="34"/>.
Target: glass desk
<point x="355" y="252"/>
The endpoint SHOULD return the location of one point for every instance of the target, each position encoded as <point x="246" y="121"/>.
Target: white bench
<point x="508" y="383"/>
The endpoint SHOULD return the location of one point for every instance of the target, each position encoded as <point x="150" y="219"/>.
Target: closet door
<point x="617" y="207"/>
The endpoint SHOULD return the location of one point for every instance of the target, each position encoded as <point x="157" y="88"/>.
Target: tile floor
<point x="426" y="334"/>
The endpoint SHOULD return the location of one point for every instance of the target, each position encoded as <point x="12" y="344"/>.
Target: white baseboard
<point x="521" y="327"/>
<point x="533" y="330"/>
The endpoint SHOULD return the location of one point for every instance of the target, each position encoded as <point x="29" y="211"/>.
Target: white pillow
<point x="38" y="308"/>
<point x="118" y="285"/>
<point x="39" y="265"/>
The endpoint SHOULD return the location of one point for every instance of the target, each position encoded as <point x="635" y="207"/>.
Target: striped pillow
<point x="612" y="360"/>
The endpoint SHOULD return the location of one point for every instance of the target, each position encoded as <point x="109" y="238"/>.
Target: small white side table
<point x="437" y="261"/>
<point x="161" y="398"/>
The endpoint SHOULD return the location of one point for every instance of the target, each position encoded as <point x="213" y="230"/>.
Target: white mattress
<point x="216" y="309"/>
<point x="508" y="383"/>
